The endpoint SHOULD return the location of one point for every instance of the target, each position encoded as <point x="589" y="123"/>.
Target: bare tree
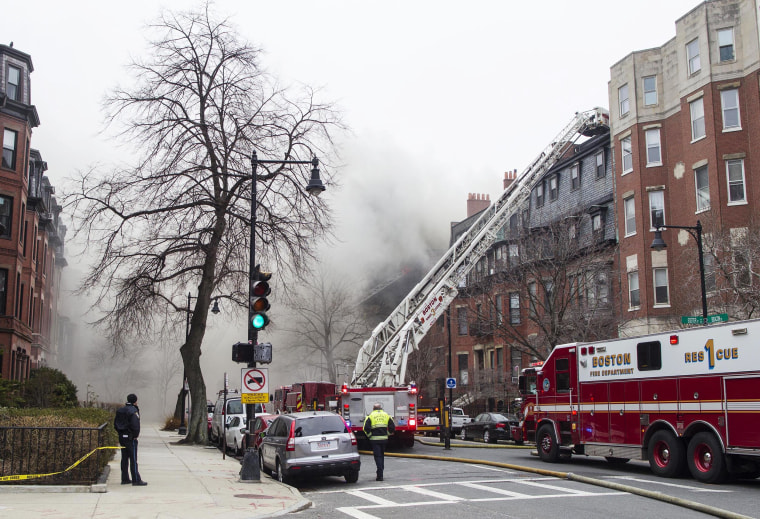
<point x="327" y="323"/>
<point x="428" y="361"/>
<point x="179" y="216"/>
<point x="553" y="287"/>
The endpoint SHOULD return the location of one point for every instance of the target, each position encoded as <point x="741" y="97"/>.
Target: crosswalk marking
<point x="494" y="490"/>
<point x="662" y="483"/>
<point x="431" y="493"/>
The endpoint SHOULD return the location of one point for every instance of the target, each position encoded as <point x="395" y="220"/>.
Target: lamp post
<point x="214" y="310"/>
<point x="250" y="466"/>
<point x="659" y="244"/>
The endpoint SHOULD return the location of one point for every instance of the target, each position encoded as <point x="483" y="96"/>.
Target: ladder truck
<point x="380" y="372"/>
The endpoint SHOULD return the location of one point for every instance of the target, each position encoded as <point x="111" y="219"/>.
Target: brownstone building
<point x="31" y="236"/>
<point x="685" y="123"/>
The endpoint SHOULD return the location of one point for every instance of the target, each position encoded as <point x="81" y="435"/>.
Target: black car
<point x="490" y="427"/>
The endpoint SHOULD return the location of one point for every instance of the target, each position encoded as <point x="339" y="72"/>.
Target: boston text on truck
<point x="685" y="400"/>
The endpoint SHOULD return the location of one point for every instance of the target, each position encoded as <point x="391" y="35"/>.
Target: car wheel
<point x="237" y="450"/>
<point x="261" y="465"/>
<point x="487" y="437"/>
<point x="352" y="476"/>
<point x="463" y="434"/>
<point x="548" y="448"/>
<point x="281" y="477"/>
<point x="666" y="454"/>
<point x="706" y="460"/>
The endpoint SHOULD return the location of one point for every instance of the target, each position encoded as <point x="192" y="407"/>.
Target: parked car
<point x="235" y="434"/>
<point x="210" y="415"/>
<point x="311" y="443"/>
<point x="223" y="415"/>
<point x="490" y="427"/>
<point x="260" y="425"/>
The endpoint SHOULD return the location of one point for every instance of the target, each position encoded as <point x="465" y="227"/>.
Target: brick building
<point x="31" y="235"/>
<point x="684" y="116"/>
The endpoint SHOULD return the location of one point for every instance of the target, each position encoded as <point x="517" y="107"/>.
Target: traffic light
<point x="259" y="302"/>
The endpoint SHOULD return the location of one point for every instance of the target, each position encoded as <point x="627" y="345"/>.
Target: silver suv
<point x="309" y="443"/>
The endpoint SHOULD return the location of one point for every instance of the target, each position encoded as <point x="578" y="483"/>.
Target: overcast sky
<point x="443" y="97"/>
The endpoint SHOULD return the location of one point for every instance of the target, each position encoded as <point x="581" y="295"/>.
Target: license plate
<point x="323" y="445"/>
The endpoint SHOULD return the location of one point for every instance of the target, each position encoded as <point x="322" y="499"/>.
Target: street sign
<point x="451" y="383"/>
<point x="254" y="398"/>
<point x="255" y="380"/>
<point x="698" y="319"/>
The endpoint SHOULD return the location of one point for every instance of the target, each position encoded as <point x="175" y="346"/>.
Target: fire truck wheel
<point x="548" y="448"/>
<point x="706" y="460"/>
<point x="666" y="455"/>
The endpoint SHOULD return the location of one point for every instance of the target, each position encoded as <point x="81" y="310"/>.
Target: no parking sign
<point x="255" y="385"/>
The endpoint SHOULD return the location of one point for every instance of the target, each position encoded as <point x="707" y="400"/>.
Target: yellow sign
<point x="254" y="398"/>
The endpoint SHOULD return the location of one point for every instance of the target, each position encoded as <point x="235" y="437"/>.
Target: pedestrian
<point x="127" y="425"/>
<point x="378" y="426"/>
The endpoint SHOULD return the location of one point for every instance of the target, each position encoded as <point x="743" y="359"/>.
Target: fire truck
<point x="303" y="396"/>
<point x="685" y="399"/>
<point x="400" y="402"/>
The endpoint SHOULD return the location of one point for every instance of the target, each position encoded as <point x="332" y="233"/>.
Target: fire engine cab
<point x="355" y="404"/>
<point x="683" y="399"/>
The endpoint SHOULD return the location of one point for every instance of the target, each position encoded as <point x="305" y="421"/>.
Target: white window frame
<point x="629" y="210"/>
<point x="553" y="187"/>
<point x="600" y="169"/>
<point x="693" y="61"/>
<point x="540" y="198"/>
<point x="627" y="154"/>
<point x="575" y="177"/>
<point x="13" y="90"/>
<point x="650" y="94"/>
<point x="697" y="112"/>
<point x="702" y="191"/>
<point x="10" y="145"/>
<point x="514" y="308"/>
<point x="656" y="203"/>
<point x="653" y="146"/>
<point x="736" y="181"/>
<point x="633" y="286"/>
<point x="724" y="43"/>
<point x="660" y="280"/>
<point x="729" y="102"/>
<point x="596" y="222"/>
<point x="624" y="100"/>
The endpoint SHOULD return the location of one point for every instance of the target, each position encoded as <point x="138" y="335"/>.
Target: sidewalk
<point x="184" y="481"/>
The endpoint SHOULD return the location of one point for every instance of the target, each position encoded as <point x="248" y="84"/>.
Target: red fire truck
<point x="687" y="398"/>
<point x="355" y="403"/>
<point x="303" y="396"/>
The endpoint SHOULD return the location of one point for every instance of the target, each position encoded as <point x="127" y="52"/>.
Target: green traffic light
<point x="259" y="321"/>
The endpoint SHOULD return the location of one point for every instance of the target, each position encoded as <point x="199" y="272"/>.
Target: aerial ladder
<point x="382" y="359"/>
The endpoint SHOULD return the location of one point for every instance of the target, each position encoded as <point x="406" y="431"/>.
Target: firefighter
<point x="378" y="426"/>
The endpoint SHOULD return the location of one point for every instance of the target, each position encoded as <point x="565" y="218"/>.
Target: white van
<point x="223" y="415"/>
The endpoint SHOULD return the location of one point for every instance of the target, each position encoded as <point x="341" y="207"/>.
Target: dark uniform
<point x="378" y="426"/>
<point x="127" y="425"/>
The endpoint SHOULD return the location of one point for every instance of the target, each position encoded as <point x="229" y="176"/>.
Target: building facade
<point x="31" y="235"/>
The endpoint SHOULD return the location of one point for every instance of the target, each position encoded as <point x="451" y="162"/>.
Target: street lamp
<point x="659" y="244"/>
<point x="249" y="470"/>
<point x="214" y="310"/>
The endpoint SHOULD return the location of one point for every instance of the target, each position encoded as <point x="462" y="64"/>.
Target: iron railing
<point x="31" y="451"/>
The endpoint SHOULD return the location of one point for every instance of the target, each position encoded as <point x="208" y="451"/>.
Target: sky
<point x="442" y="98"/>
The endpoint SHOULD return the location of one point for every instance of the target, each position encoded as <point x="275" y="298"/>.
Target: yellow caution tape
<point x="33" y="476"/>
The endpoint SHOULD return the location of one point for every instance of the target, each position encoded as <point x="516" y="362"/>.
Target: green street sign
<point x="698" y="319"/>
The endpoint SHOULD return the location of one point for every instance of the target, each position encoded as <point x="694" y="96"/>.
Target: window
<point x="596" y="222"/>
<point x="634" y="300"/>
<point x="499" y="310"/>
<point x="514" y="308"/>
<point x="661" y="286"/>
<point x="726" y="44"/>
<point x="13" y="85"/>
<point x="3" y="290"/>
<point x="549" y="294"/>
<point x="462" y="360"/>
<point x="729" y="100"/>
<point x="562" y="370"/>
<point x="630" y="216"/>
<point x="600" y="172"/>
<point x="656" y="209"/>
<point x="514" y="254"/>
<point x="9" y="149"/>
<point x="735" y="177"/>
<point x="692" y="56"/>
<point x="6" y="216"/>
<point x="540" y="194"/>
<point x="697" y="109"/>
<point x="532" y="291"/>
<point x="710" y="279"/>
<point x="625" y="145"/>
<point x="625" y="104"/>
<point x="654" y="157"/>
<point x="649" y="356"/>
<point x="575" y="176"/>
<point x="650" y="90"/>
<point x="553" y="187"/>
<point x="703" y="188"/>
<point x="462" y="321"/>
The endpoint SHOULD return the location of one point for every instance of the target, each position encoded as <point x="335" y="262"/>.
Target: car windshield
<point x="315" y="425"/>
<point x="234" y="407"/>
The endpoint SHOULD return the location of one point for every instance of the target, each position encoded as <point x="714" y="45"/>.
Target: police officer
<point x="127" y="425"/>
<point x="377" y="426"/>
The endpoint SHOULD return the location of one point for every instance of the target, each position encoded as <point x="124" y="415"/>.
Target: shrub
<point x="48" y="387"/>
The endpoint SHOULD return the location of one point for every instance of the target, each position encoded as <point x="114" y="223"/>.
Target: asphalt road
<point x="433" y="488"/>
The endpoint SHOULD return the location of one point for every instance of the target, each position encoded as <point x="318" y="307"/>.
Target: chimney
<point x="509" y="177"/>
<point x="476" y="202"/>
